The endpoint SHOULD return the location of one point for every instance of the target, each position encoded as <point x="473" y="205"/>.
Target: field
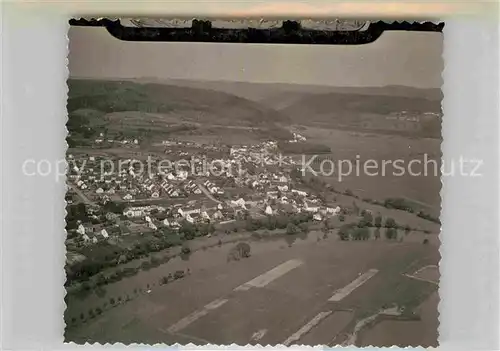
<point x="399" y="333"/>
<point x="278" y="305"/>
<point x="422" y="188"/>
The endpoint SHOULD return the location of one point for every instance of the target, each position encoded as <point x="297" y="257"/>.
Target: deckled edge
<point x="66" y="146"/>
<point x="441" y="191"/>
<point x="233" y="346"/>
<point x="308" y="23"/>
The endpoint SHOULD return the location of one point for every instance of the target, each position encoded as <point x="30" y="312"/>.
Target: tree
<point x="271" y="223"/>
<point x="86" y="285"/>
<point x="368" y="218"/>
<point x="390" y="223"/>
<point x="185" y="250"/>
<point x="304" y="227"/>
<point x="378" y="221"/>
<point x="112" y="301"/>
<point x="428" y="217"/>
<point x="101" y="280"/>
<point x="114" y="207"/>
<point x="426" y="241"/>
<point x="82" y="316"/>
<point x="391" y="233"/>
<point x="407" y="229"/>
<point x="282" y="222"/>
<point x="341" y="218"/>
<point x="188" y="229"/>
<point x="241" y="250"/>
<point x="365" y="233"/>
<point x="291" y="229"/>
<point x="326" y="226"/>
<point x="178" y="274"/>
<point x="361" y="233"/>
<point x="344" y="232"/>
<point x="251" y="225"/>
<point x="146" y="265"/>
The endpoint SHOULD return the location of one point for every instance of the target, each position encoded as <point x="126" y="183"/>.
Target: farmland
<point x="327" y="264"/>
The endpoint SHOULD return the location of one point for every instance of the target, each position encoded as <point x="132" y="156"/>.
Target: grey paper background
<point x="33" y="115"/>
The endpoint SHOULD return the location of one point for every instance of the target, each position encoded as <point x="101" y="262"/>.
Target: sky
<point x="396" y="58"/>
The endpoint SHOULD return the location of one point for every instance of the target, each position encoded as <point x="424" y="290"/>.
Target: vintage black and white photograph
<point x="260" y="194"/>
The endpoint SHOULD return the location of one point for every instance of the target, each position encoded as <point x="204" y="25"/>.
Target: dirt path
<point x="351" y="340"/>
<point x="207" y="193"/>
<point x="423" y="204"/>
<point x="80" y="194"/>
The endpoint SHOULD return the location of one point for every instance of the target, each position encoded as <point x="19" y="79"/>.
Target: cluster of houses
<point x="123" y="141"/>
<point x="273" y="192"/>
<point x="411" y="116"/>
<point x="173" y="216"/>
<point x="131" y="183"/>
<point x="264" y="180"/>
<point x="128" y="181"/>
<point x="261" y="154"/>
<point x="212" y="188"/>
<point x="227" y="212"/>
<point x="297" y="138"/>
<point x="90" y="235"/>
<point x="153" y="218"/>
<point x="90" y="176"/>
<point x="183" y="144"/>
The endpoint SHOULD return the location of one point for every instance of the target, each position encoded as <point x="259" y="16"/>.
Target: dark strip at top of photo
<point x="264" y="32"/>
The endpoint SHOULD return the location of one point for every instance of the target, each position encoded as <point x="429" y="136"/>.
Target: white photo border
<point x="33" y="117"/>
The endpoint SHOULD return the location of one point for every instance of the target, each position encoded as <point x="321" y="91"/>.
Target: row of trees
<point x="83" y="271"/>
<point x="391" y="203"/>
<point x="303" y="148"/>
<point x="428" y="217"/>
<point x="282" y="221"/>
<point x="189" y="231"/>
<point x="367" y="220"/>
<point x="78" y="212"/>
<point x="115" y="301"/>
<point x="351" y="231"/>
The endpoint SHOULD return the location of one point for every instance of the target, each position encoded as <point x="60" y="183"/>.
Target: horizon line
<point x="247" y="82"/>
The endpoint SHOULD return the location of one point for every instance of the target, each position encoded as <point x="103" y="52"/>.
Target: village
<point x="245" y="181"/>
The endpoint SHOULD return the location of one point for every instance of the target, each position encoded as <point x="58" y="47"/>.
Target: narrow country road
<point x="80" y="194"/>
<point x="207" y="193"/>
